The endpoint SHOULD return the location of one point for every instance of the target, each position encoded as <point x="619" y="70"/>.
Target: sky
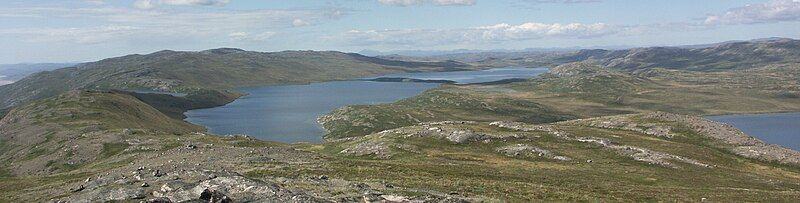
<point x="36" y="31"/>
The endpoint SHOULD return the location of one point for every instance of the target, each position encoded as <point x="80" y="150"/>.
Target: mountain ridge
<point x="224" y="68"/>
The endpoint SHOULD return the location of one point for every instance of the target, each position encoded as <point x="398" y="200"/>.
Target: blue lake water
<point x="289" y="113"/>
<point x="775" y="128"/>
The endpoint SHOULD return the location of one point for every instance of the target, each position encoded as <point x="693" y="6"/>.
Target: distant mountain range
<point x="724" y="56"/>
<point x="433" y="53"/>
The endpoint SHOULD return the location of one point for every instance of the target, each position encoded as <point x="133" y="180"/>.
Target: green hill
<point x="64" y="132"/>
<point x="612" y="127"/>
<point x="176" y="71"/>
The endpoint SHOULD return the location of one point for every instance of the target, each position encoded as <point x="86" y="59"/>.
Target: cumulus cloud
<point x="150" y="4"/>
<point x="124" y="24"/>
<point x="434" y="2"/>
<point x="769" y="12"/>
<point x="483" y="34"/>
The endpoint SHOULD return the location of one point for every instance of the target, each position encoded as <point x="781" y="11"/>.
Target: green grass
<point x="476" y="169"/>
<point x="111" y="149"/>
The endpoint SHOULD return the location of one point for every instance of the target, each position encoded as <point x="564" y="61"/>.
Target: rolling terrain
<point x="606" y="127"/>
<point x="113" y="147"/>
<point x="582" y="90"/>
<point x="176" y="71"/>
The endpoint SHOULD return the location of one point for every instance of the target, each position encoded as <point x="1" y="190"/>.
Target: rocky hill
<point x="179" y="71"/>
<point x="726" y="56"/>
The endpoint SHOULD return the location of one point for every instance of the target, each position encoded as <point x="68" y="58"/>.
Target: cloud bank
<point x="484" y="34"/>
<point x="150" y="4"/>
<point x="769" y="12"/>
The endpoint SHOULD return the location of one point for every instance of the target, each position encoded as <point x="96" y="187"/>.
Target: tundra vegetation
<point x="601" y="126"/>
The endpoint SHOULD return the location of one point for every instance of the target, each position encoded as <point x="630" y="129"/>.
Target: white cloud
<point x="300" y="23"/>
<point x="502" y="32"/>
<point x="244" y="36"/>
<point x="435" y="2"/>
<point x="144" y="4"/>
<point x="769" y="12"/>
<point x="484" y="34"/>
<point x="150" y="4"/>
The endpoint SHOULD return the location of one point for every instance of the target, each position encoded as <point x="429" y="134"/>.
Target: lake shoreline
<point x="409" y="80"/>
<point x="773" y="128"/>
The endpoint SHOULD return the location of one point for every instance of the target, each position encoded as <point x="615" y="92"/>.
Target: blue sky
<point x="87" y="30"/>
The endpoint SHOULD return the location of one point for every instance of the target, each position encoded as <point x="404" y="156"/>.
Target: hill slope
<point x="109" y="146"/>
<point x="66" y="131"/>
<point x="176" y="71"/>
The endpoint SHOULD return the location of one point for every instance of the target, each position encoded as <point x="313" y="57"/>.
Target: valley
<point x="624" y="125"/>
<point x="289" y="113"/>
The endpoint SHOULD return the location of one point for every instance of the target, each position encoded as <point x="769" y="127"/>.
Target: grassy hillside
<point x="111" y="146"/>
<point x="583" y="132"/>
<point x="570" y="161"/>
<point x="582" y="90"/>
<point x="212" y="69"/>
<point x="64" y="132"/>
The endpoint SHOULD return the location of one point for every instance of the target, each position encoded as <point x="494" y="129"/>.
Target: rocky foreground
<point x="628" y="157"/>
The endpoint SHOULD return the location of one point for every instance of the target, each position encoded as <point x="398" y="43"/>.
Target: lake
<point x="3" y="80"/>
<point x="775" y="128"/>
<point x="289" y="113"/>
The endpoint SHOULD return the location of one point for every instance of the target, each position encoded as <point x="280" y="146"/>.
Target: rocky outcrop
<point x="453" y="131"/>
<point x="624" y="122"/>
<point x="377" y="149"/>
<point x="658" y="124"/>
<point x="528" y="151"/>
<point x="637" y="153"/>
<point x="183" y="186"/>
